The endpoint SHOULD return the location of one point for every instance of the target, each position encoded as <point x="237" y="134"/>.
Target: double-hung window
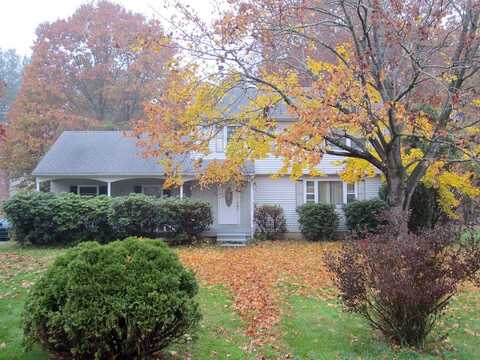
<point x="310" y="191"/>
<point x="351" y="193"/>
<point x="329" y="192"/>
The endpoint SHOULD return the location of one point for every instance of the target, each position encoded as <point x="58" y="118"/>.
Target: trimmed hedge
<point x="270" y="222"/>
<point x="365" y="216"/>
<point x="125" y="300"/>
<point x="185" y="218"/>
<point x="317" y="221"/>
<point x="44" y="218"/>
<point x="135" y="215"/>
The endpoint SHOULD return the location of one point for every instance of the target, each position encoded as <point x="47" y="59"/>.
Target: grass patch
<point x="318" y="329"/>
<point x="309" y="328"/>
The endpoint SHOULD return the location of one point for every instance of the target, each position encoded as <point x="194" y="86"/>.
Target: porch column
<point x="109" y="188"/>
<point x="181" y="191"/>
<point x="37" y="184"/>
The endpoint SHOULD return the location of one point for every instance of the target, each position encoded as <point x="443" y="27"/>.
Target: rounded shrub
<point x="125" y="300"/>
<point x="317" y="221"/>
<point x="365" y="216"/>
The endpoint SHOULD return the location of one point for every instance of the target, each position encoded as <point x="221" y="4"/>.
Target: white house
<point x="108" y="162"/>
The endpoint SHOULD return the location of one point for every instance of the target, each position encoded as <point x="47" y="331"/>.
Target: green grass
<point x="312" y="328"/>
<point x="318" y="329"/>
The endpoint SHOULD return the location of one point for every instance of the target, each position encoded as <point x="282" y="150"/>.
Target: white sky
<point x="20" y="18"/>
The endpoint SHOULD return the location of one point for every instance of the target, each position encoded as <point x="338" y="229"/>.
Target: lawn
<point x="271" y="301"/>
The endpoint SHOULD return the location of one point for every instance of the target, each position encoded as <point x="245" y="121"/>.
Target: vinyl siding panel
<point x="281" y="192"/>
<point x="372" y="187"/>
<point x="271" y="165"/>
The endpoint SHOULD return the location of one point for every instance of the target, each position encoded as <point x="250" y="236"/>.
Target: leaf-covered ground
<point x="259" y="275"/>
<point x="266" y="301"/>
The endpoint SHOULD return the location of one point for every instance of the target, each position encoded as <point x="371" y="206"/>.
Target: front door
<point x="228" y="205"/>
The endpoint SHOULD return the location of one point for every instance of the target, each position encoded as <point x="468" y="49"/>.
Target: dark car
<point x="4" y="226"/>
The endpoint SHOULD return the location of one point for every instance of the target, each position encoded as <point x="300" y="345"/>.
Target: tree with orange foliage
<point x="86" y="72"/>
<point x="391" y="85"/>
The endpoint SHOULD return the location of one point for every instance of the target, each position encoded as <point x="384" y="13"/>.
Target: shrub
<point x="365" y="216"/>
<point x="136" y="215"/>
<point x="402" y="285"/>
<point x="317" y="221"/>
<point x="96" y="219"/>
<point x="425" y="211"/>
<point x="44" y="218"/>
<point x="127" y="299"/>
<point x="29" y="214"/>
<point x="185" y="219"/>
<point x="270" y="222"/>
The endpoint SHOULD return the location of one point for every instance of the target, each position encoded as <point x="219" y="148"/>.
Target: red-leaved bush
<point x="402" y="285"/>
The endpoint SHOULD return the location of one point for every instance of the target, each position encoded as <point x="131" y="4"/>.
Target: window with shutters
<point x="325" y="192"/>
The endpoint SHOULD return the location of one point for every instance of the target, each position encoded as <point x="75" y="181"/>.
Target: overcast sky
<point x="20" y="18"/>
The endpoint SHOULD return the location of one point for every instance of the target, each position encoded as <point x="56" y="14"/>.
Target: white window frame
<point x="315" y="190"/>
<point x="346" y="193"/>
<point x="88" y="186"/>
<point x="315" y="187"/>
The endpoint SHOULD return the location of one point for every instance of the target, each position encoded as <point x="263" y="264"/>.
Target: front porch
<point x="232" y="210"/>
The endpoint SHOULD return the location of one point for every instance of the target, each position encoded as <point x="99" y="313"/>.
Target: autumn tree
<point x="86" y="72"/>
<point x="392" y="85"/>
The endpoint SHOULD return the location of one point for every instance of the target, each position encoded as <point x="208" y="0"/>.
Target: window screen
<point x="330" y="192"/>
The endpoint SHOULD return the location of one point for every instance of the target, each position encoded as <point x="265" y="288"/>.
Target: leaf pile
<point x="256" y="274"/>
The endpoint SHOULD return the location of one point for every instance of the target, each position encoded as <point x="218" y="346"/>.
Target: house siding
<point x="271" y="165"/>
<point x="287" y="194"/>
<point x="281" y="192"/>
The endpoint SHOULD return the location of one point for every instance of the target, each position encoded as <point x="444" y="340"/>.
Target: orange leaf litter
<point x="253" y="275"/>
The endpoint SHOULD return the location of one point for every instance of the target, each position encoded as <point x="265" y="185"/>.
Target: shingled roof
<point x="104" y="153"/>
<point x="99" y="153"/>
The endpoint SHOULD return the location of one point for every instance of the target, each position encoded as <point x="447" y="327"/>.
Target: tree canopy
<point x="392" y="85"/>
<point x="86" y="72"/>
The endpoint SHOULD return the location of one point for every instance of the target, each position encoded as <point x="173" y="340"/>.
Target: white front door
<point x="228" y="205"/>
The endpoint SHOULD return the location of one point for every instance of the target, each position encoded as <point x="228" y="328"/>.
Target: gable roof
<point x="104" y="153"/>
<point x="97" y="153"/>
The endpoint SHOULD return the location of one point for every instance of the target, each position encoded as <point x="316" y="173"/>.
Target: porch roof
<point x="103" y="153"/>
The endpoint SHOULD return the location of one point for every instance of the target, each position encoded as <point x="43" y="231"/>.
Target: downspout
<point x="252" y="207"/>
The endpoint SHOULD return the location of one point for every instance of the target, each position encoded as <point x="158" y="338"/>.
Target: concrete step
<point x="232" y="239"/>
